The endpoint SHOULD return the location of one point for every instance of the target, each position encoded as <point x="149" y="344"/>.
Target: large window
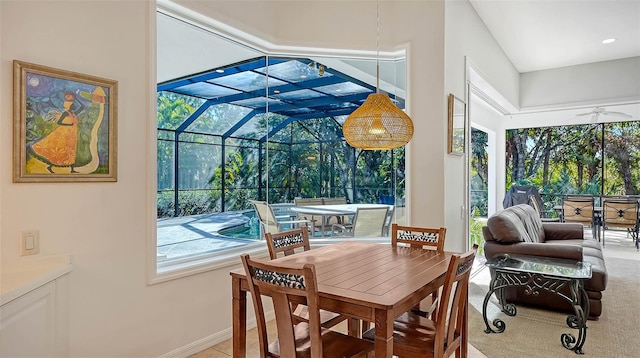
<point x="596" y="159"/>
<point x="244" y="125"/>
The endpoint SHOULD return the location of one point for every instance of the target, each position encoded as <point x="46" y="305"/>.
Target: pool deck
<point x="198" y="233"/>
<point x="186" y="235"/>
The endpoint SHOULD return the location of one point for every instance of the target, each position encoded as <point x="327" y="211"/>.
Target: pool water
<point x="250" y="229"/>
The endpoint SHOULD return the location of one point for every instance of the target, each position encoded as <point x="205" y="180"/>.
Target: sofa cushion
<point x="506" y="227"/>
<point x="519" y="223"/>
<point x="531" y="221"/>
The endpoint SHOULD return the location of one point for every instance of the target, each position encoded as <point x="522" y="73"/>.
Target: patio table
<point x="326" y="211"/>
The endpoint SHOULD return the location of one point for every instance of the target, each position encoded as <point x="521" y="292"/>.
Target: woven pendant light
<point x="378" y="124"/>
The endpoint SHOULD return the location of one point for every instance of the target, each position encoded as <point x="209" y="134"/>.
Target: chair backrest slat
<point x="334" y="201"/>
<point x="287" y="242"/>
<point x="418" y="237"/>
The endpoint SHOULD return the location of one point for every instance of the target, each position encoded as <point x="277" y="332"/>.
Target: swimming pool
<point x="249" y="230"/>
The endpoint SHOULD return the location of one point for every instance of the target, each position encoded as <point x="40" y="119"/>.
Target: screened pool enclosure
<point x="268" y="128"/>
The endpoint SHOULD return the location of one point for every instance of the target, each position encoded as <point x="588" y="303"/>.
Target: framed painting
<point x="456" y="125"/>
<point x="64" y="126"/>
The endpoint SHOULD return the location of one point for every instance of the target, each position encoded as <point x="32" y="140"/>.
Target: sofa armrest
<point x="572" y="252"/>
<point x="563" y="231"/>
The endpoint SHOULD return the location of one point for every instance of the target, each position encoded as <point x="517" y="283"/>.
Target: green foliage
<point x="191" y="202"/>
<point x="568" y="159"/>
<point x="475" y="231"/>
<point x="479" y="172"/>
<point x="304" y="159"/>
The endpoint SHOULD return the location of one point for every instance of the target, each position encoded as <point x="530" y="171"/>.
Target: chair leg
<point x="365" y="327"/>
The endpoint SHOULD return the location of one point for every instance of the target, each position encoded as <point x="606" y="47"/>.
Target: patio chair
<point x="337" y="219"/>
<point x="624" y="214"/>
<point x="306" y="339"/>
<point x="367" y="222"/>
<point x="388" y="221"/>
<point x="580" y="210"/>
<point x="444" y="334"/>
<point x="269" y="223"/>
<point x="307" y="202"/>
<point x="536" y="205"/>
<point x="287" y="242"/>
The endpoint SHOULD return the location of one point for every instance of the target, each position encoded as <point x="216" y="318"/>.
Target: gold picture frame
<point x="457" y="125"/>
<point x="64" y="127"/>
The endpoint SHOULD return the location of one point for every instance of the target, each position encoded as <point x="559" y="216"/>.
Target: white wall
<point x="589" y="84"/>
<point x="113" y="312"/>
<point x="468" y="40"/>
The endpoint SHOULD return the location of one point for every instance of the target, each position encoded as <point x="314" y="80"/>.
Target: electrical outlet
<point x="29" y="242"/>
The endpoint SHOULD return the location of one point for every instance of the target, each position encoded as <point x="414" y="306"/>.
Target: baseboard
<point x="211" y="340"/>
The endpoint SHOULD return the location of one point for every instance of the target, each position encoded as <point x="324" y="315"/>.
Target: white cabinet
<point x="34" y="316"/>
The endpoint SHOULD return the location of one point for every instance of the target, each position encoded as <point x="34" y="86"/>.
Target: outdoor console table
<point x="541" y="274"/>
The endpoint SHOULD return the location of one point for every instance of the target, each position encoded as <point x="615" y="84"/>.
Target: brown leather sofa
<point x="519" y="230"/>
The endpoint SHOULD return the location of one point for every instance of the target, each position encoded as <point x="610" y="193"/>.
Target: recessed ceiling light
<point x="276" y="91"/>
<point x="608" y="41"/>
<point x="220" y="70"/>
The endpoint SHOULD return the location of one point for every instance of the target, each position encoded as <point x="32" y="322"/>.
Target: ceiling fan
<point x="596" y="112"/>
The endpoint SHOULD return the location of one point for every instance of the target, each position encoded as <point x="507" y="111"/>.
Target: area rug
<point x="536" y="333"/>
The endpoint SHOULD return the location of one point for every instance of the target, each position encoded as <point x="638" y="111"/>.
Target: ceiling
<point x="543" y="34"/>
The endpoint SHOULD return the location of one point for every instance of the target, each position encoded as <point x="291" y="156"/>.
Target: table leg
<point x="239" y="319"/>
<point x="384" y="333"/>
<point x="353" y="327"/>
<point x="497" y="284"/>
<point x="580" y="303"/>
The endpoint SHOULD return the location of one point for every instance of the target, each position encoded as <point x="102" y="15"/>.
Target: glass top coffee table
<point x="538" y="274"/>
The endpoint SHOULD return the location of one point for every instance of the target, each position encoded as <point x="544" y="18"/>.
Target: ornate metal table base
<point x="535" y="282"/>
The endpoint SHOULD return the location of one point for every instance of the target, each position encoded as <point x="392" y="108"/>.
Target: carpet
<point x="536" y="333"/>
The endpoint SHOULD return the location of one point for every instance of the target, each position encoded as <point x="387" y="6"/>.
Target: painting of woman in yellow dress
<point x="65" y="125"/>
<point x="59" y="147"/>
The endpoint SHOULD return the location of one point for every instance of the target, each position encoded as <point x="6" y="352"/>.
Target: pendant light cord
<point x="377" y="46"/>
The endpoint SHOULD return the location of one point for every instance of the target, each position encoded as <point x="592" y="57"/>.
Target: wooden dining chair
<point x="306" y="339"/>
<point x="624" y="214"/>
<point x="286" y="243"/>
<point x="444" y="334"/>
<point x="421" y="238"/>
<point x="418" y="237"/>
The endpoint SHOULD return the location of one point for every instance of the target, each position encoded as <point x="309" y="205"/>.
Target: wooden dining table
<point x="365" y="281"/>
